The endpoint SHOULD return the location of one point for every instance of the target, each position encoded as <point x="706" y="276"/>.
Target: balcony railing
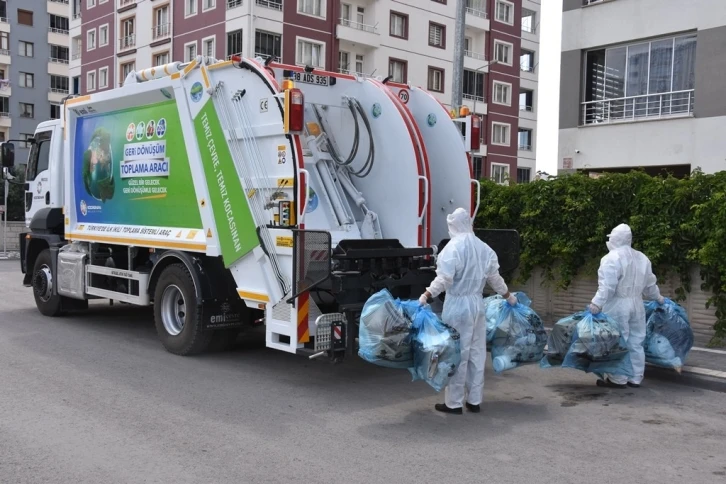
<point x="58" y="91"/>
<point x="638" y="108"/>
<point x="353" y="73"/>
<point x="358" y="26"/>
<point x="275" y="58"/>
<point x="128" y="42"/>
<point x="233" y="4"/>
<point x="125" y="3"/>
<point x="58" y="60"/>
<point x="473" y="97"/>
<point x="525" y="147"/>
<point x="529" y="109"/>
<point x="4" y="52"/>
<point x="527" y="68"/>
<point x="64" y="2"/>
<point x="4" y="20"/>
<point x="76" y="55"/>
<point x="54" y="30"/>
<point x="161" y="31"/>
<point x="475" y="55"/>
<point x="476" y="12"/>
<point x="76" y="15"/>
<point x="4" y="115"/>
<point x="275" y="5"/>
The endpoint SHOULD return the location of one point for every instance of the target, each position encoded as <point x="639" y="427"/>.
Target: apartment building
<point x="34" y="59"/>
<point x="642" y="85"/>
<point x="410" y="40"/>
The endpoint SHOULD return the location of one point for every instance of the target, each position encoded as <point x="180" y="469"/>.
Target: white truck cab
<point x="44" y="173"/>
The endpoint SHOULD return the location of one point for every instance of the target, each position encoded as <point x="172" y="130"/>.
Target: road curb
<point x="701" y="378"/>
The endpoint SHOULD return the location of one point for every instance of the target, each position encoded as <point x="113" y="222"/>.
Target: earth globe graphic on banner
<point x="98" y="166"/>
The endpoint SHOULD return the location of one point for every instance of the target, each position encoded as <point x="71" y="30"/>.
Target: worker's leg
<point x="455" y="391"/>
<point x="477" y="360"/>
<point x="619" y="311"/>
<point x="635" y="344"/>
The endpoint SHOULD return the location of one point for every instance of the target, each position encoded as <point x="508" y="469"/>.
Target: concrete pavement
<point x="94" y="398"/>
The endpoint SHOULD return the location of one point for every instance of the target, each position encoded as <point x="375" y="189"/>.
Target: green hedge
<point x="563" y="225"/>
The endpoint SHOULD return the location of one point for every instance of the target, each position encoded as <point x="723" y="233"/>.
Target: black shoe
<point x="633" y="385"/>
<point x="609" y="384"/>
<point x="473" y="408"/>
<point x="441" y="407"/>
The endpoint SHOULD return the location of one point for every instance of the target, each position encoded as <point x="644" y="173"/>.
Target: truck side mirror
<point x="7" y="155"/>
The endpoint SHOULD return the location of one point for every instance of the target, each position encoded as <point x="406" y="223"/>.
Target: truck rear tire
<point x="42" y="283"/>
<point x="177" y="314"/>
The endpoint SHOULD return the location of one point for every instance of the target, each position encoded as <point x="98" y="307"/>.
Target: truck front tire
<point x="177" y="314"/>
<point x="42" y="284"/>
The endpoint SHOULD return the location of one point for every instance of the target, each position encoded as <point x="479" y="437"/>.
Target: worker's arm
<point x="652" y="291"/>
<point x="445" y="270"/>
<point x="607" y="280"/>
<point x="496" y="281"/>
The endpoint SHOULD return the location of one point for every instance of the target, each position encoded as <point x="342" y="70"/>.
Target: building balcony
<point x="476" y="104"/>
<point x="233" y="4"/>
<point x="6" y="89"/>
<point x="161" y="32"/>
<point x="527" y="112"/>
<point x="648" y="107"/>
<point x="5" y="57"/>
<point x="475" y="61"/>
<point x="5" y="120"/>
<point x="58" y="7"/>
<point x="477" y="16"/>
<point x="4" y="24"/>
<point x="125" y="3"/>
<point x="57" y="95"/>
<point x="127" y="43"/>
<point x="358" y="33"/>
<point x="58" y="36"/>
<point x="272" y="4"/>
<point x="58" y="67"/>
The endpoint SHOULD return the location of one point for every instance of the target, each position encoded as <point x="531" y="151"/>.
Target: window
<point x="477" y="163"/>
<point x="500" y="134"/>
<point x="267" y="44"/>
<point x="103" y="78"/>
<point x="437" y="35"/>
<point x="27" y="110"/>
<point x="473" y="85"/>
<point x="505" y="12"/>
<point x="503" y="52"/>
<point x="26" y="49"/>
<point x="128" y="33"/>
<point x="398" y="70"/>
<point x="656" y="78"/>
<point x="525" y="139"/>
<point x="190" y="7"/>
<point x="127" y="69"/>
<point x="310" y="7"/>
<point x="360" y="17"/>
<point x="4" y="41"/>
<point x="524" y="175"/>
<point x="436" y="79"/>
<point x="59" y="84"/>
<point x="55" y="111"/>
<point x="502" y="93"/>
<point x="343" y="62"/>
<point x="26" y="80"/>
<point x="91" y="81"/>
<point x="4" y="9"/>
<point x="399" y="25"/>
<point x="161" y="58"/>
<point x="4" y="106"/>
<point x="25" y="17"/>
<point x="190" y="51"/>
<point x="345" y="10"/>
<point x="76" y="85"/>
<point x="234" y="43"/>
<point x="500" y="173"/>
<point x="60" y="54"/>
<point x="91" y="39"/>
<point x="90" y="3"/>
<point x="59" y="24"/>
<point x="528" y="21"/>
<point x="208" y="5"/>
<point x="526" y="100"/>
<point x="103" y="35"/>
<point x="310" y="54"/>
<point x="161" y="22"/>
<point x="526" y="61"/>
<point x="208" y="48"/>
<point x="359" y="63"/>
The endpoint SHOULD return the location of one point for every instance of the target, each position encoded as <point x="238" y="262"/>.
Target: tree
<point x="16" y="195"/>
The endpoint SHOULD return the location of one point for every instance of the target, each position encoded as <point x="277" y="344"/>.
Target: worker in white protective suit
<point x="626" y="277"/>
<point x="463" y="268"/>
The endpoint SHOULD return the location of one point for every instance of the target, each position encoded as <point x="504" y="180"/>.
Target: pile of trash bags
<point x="668" y="336"/>
<point x="590" y="343"/>
<point x="515" y="334"/>
<point x="402" y="334"/>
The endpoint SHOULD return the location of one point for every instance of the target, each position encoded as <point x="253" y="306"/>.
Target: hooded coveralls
<point x="624" y="278"/>
<point x="464" y="266"/>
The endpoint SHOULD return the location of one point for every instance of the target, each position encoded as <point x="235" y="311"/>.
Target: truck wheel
<point x="42" y="283"/>
<point x="176" y="313"/>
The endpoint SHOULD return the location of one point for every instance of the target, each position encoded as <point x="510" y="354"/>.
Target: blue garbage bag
<point x="385" y="335"/>
<point x="596" y="345"/>
<point x="516" y="333"/>
<point x="436" y="348"/>
<point x="668" y="336"/>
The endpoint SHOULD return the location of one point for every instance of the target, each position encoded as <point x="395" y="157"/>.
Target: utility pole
<point x="5" y="218"/>
<point x="459" y="42"/>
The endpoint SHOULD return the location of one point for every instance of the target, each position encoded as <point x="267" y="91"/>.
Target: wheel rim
<point x="173" y="310"/>
<point x="43" y="283"/>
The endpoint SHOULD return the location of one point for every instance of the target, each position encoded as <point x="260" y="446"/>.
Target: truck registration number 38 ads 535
<point x="308" y="78"/>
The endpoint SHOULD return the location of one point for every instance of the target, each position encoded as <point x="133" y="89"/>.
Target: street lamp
<point x="491" y="63"/>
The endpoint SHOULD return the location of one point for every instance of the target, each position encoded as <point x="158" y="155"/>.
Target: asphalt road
<point x="94" y="398"/>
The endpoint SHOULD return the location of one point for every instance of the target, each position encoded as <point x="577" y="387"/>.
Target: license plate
<point x="308" y="78"/>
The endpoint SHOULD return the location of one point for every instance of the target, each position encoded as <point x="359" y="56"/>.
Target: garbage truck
<point x="244" y="192"/>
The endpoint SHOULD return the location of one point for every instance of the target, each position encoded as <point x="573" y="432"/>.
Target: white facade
<point x="661" y="104"/>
